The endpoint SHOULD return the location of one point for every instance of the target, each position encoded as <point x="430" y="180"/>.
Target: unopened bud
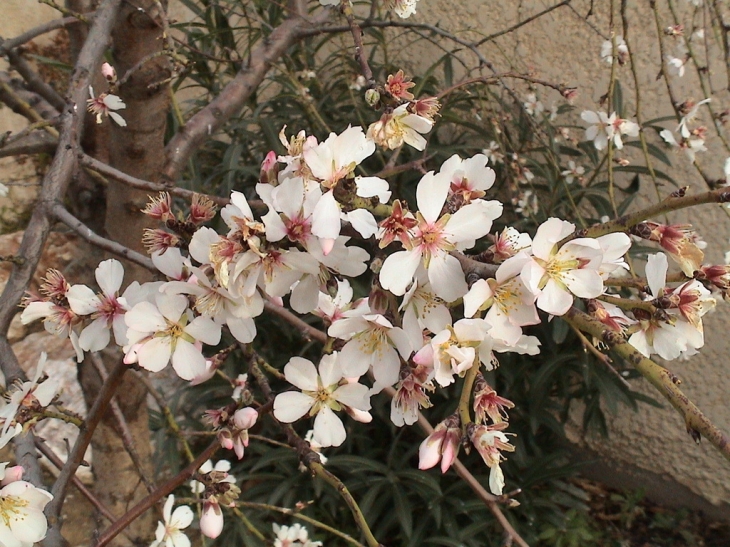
<point x="372" y="97"/>
<point x="109" y="73"/>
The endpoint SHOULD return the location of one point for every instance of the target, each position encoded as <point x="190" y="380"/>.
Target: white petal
<point x="200" y="244"/>
<point x="447" y="277"/>
<point x="398" y="270"/>
<point x="368" y="187"/>
<point x="554" y="299"/>
<point x="109" y="276"/>
<point x="96" y="335"/>
<point x="291" y="406"/>
<point x="171" y="306"/>
<point x="155" y="354"/>
<point x="328" y="428"/>
<point x="473" y="221"/>
<point x="301" y="373"/>
<point x="182" y="517"/>
<point x="479" y="293"/>
<point x="431" y="195"/>
<point x="329" y="370"/>
<point x="326" y="217"/>
<point x="363" y="221"/>
<point x="204" y="329"/>
<point x="243" y="329"/>
<point x="548" y="234"/>
<point x="145" y="317"/>
<point x="82" y="299"/>
<point x="656" y="272"/>
<point x="584" y="283"/>
<point x="187" y="360"/>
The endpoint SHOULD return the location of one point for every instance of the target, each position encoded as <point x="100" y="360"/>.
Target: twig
<point x="602" y="357"/>
<point x="665" y="382"/>
<point x="521" y="23"/>
<point x="27" y="36"/>
<point x="62" y="214"/>
<point x="34" y="81"/>
<point x="120" y="524"/>
<point x="307" y="330"/>
<point x="356" y="32"/>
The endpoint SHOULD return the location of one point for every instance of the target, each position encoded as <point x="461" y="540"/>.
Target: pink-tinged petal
<point x="200" y="244"/>
<point x="204" y="329"/>
<point x="171" y="306"/>
<point x="145" y="317"/>
<point x="82" y="300"/>
<point x="447" y="277"/>
<point x="479" y="293"/>
<point x="353" y="395"/>
<point x="96" y="336"/>
<point x="245" y="418"/>
<point x="326" y="217"/>
<point x="431" y="195"/>
<point x="548" y="234"/>
<point x="614" y="246"/>
<point x="109" y="276"/>
<point x="211" y="521"/>
<point x="327" y="245"/>
<point x="154" y="354"/>
<point x="429" y="453"/>
<point x="328" y="428"/>
<point x="554" y="299"/>
<point x="187" y="360"/>
<point x="472" y="222"/>
<point x="301" y="373"/>
<point x="329" y="370"/>
<point x="368" y="187"/>
<point x="398" y="270"/>
<point x="291" y="406"/>
<point x="656" y="273"/>
<point x="243" y="329"/>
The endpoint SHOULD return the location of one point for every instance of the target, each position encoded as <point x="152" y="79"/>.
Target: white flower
<point x="573" y="172"/>
<point x="403" y="8"/>
<point x="400" y="126"/>
<point x="470" y="178"/>
<point x="293" y="536"/>
<point x="493" y="153"/>
<point x="106" y="104"/>
<point x="689" y="117"/>
<point x="372" y="342"/>
<point x="434" y="236"/>
<point x="106" y="309"/>
<point x="422" y="309"/>
<point x="322" y="393"/>
<point x="334" y="159"/>
<point x="607" y="50"/>
<point x="169" y="532"/>
<point x="676" y="64"/>
<point x="22" y="522"/>
<point x="532" y="106"/>
<point x="555" y="275"/>
<point x="600" y="127"/>
<point x="163" y="331"/>
<point x="690" y="145"/>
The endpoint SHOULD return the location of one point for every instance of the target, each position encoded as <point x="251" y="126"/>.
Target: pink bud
<point x="245" y="418"/>
<point x="429" y="453"/>
<point x="211" y="521"/>
<point x="109" y="73"/>
<point x="327" y="245"/>
<point x="12" y="474"/>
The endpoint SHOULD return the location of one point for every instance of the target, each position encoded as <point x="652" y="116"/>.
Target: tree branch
<point x="12" y="43"/>
<point x="233" y="96"/>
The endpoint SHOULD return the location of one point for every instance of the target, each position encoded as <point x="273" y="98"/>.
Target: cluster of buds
<point x="181" y="227"/>
<point x="231" y="426"/>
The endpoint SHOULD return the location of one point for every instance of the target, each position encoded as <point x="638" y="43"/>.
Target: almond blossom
<point x="435" y="236"/>
<point x="105" y="105"/>
<point x="618" y="44"/>
<point x="22" y="522"/>
<point x="441" y="445"/>
<point x="106" y="309"/>
<point x="490" y="442"/>
<point x="556" y="274"/>
<point x="169" y="533"/>
<point x="400" y="126"/>
<point x="323" y="392"/>
<point x="293" y="536"/>
<point x="372" y="341"/>
<point x="602" y="128"/>
<point x="411" y="394"/>
<point x="165" y="331"/>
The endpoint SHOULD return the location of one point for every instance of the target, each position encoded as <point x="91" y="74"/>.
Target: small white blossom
<point x="169" y="533"/>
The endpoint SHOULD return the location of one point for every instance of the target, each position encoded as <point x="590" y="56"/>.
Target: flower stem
<point x="466" y="390"/>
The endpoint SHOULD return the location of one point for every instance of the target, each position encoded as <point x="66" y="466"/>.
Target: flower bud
<point x="245" y="418"/>
<point x="211" y="521"/>
<point x="443" y="444"/>
<point x="372" y="97"/>
<point x="12" y="474"/>
<point x="109" y="73"/>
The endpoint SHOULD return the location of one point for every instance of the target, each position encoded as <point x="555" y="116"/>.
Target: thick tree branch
<point x="666" y="383"/>
<point x="211" y="118"/>
<point x="38" y="142"/>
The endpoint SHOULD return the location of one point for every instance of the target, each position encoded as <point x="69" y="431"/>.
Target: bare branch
<point x="12" y="43"/>
<point x="233" y="96"/>
<point x="62" y="214"/>
<point x="38" y="142"/>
